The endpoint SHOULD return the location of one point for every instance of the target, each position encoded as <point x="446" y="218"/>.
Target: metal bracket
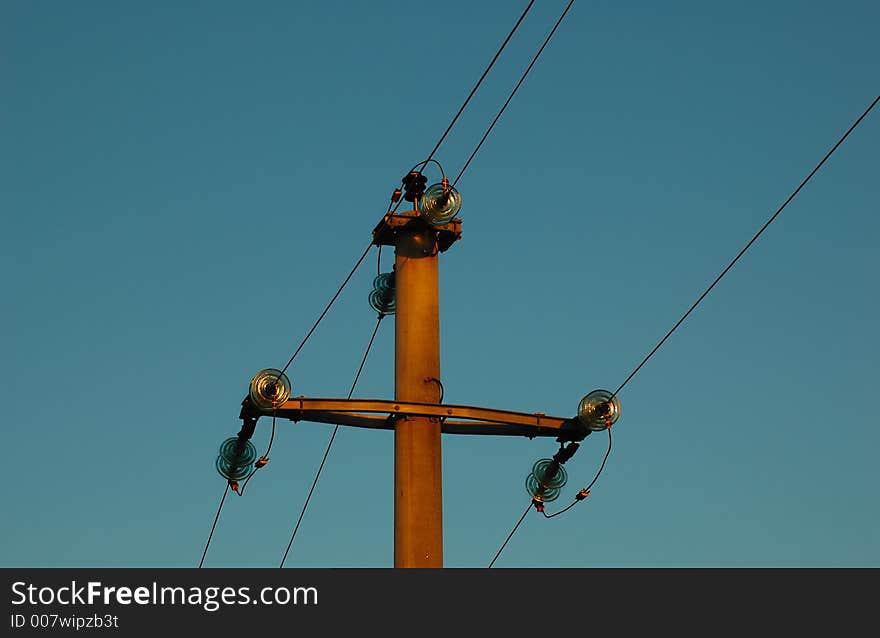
<point x="455" y="419"/>
<point x="386" y="231"/>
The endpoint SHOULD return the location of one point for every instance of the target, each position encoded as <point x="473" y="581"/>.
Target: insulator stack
<point x="236" y="458"/>
<point x="383" y="298"/>
<point x="546" y="480"/>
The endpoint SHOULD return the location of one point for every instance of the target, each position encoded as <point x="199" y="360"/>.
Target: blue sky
<point x="184" y="185"/>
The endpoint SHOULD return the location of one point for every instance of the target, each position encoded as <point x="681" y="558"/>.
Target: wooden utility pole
<point x="418" y="500"/>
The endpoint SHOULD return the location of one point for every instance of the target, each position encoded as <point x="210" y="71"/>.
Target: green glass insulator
<point x="544" y="474"/>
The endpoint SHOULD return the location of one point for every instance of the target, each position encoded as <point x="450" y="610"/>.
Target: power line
<point x="465" y="167"/>
<point x="696" y="303"/>
<point x="480" y="81"/>
<point x="272" y="436"/>
<point x="422" y="164"/>
<point x="327" y="308"/>
<point x="748" y="245"/>
<point x="513" y="92"/>
<point x="213" y="527"/>
<point x="330" y="443"/>
<point x="287" y="365"/>
<point x="509" y="536"/>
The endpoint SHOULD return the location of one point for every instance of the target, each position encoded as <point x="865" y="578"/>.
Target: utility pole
<point x="418" y="501"/>
<point x="416" y="415"/>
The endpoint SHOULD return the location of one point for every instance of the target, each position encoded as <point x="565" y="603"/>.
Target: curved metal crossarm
<point x="455" y="419"/>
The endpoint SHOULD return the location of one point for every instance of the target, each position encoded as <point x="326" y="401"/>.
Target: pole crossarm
<point x="454" y="419"/>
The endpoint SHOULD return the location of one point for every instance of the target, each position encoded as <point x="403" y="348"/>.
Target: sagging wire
<point x="585" y="492"/>
<point x="439" y="385"/>
<point x="260" y="462"/>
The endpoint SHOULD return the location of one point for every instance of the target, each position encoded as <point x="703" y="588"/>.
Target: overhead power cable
<point x="513" y="92"/>
<point x="424" y="163"/>
<point x="479" y="82"/>
<point x="509" y="536"/>
<point x="330" y="443"/>
<point x="214" y="526"/>
<point x="748" y="245"/>
<point x="695" y="304"/>
<point x="287" y="365"/>
<point x="327" y="307"/>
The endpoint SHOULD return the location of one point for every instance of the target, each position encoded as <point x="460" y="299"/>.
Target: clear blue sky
<point x="184" y="184"/>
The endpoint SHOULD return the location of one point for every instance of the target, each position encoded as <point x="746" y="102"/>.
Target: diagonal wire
<point x="512" y="532"/>
<point x="748" y="245"/>
<point x="480" y="81"/>
<point x="330" y="443"/>
<point x="421" y="165"/>
<point x="272" y="437"/>
<point x="287" y="365"/>
<point x="465" y="167"/>
<point x="430" y="157"/>
<point x="214" y="526"/>
<point x="513" y="92"/>
<point x="697" y="302"/>
<point x="327" y="308"/>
